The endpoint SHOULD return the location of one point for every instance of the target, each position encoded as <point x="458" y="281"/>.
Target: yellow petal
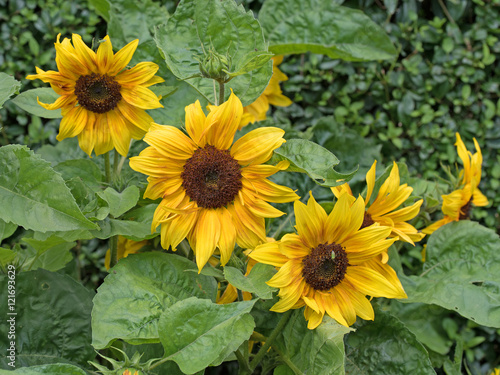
<point x="174" y="231"/>
<point x="224" y="121"/>
<point x="313" y="318"/>
<point x="138" y="75"/>
<point x="332" y="308"/>
<point x="270" y="191"/>
<point x="208" y="229"/>
<point x="140" y="97"/>
<point x="263" y="170"/>
<point x="310" y="221"/>
<point x="136" y="116"/>
<point x="464" y="156"/>
<point x="345" y="305"/>
<point x="227" y="239"/>
<point x="103" y="141"/>
<point x="288" y="274"/>
<point x="195" y="123"/>
<point x="170" y="141"/>
<point x="62" y="101"/>
<point x="372" y="283"/>
<point x="84" y="53"/>
<point x="268" y="253"/>
<point x="123" y="57"/>
<point x="119" y="133"/>
<point x="105" y="55"/>
<point x="290" y="296"/>
<point x="73" y="123"/>
<point x="257" y="146"/>
<point x="370" y="181"/>
<point x="87" y="138"/>
<point x="292" y="246"/>
<point x="479" y="199"/>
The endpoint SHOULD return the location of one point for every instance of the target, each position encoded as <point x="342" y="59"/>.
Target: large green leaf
<point x="196" y="333"/>
<point x="319" y="351"/>
<point x="52" y="321"/>
<point x="8" y="86"/>
<point x="318" y="26"/>
<point x="385" y="347"/>
<point x="27" y="101"/>
<point x="255" y="282"/>
<point x="34" y="196"/>
<point x="84" y="169"/>
<point x="139" y="288"/>
<point x="310" y="158"/>
<point x="461" y="272"/>
<point x="67" y="149"/>
<point x="197" y="26"/>
<point x="55" y="369"/>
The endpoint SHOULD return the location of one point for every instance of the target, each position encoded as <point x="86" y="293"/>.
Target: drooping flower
<point x="331" y="264"/>
<point x="124" y="248"/>
<point x="214" y="192"/>
<point x="101" y="102"/>
<point x="384" y="209"/>
<point x="271" y="95"/>
<point x="456" y="205"/>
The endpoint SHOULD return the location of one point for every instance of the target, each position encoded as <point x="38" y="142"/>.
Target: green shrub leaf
<point x="34" y="196"/>
<point x="139" y="288"/>
<point x="52" y="321"/>
<point x="385" y="347"/>
<point x="310" y="158"/>
<point x="461" y="272"/>
<point x="255" y="282"/>
<point x="319" y="351"/>
<point x="318" y="26"/>
<point x="27" y="101"/>
<point x="198" y="26"/>
<point x="196" y="333"/>
<point x="8" y="86"/>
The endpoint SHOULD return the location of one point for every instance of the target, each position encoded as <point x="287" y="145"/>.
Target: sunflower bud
<point x="215" y="65"/>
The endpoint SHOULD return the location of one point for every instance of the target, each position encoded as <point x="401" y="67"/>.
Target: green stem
<point x="215" y="93"/>
<point x="113" y="246"/>
<point x="276" y="331"/>
<point x="243" y="363"/>
<point x="240" y="295"/>
<point x="221" y="93"/>
<point x="288" y="362"/>
<point x="116" y="160"/>
<point x="107" y="168"/>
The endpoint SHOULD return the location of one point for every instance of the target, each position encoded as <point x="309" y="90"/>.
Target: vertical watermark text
<point x="11" y="315"/>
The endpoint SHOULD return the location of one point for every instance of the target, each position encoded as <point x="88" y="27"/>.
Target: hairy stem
<point x="113" y="246"/>
<point x="221" y="93"/>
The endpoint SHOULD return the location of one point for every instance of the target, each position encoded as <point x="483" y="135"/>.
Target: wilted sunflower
<point x="124" y="248"/>
<point x="271" y="95"/>
<point x="457" y="204"/>
<point x="214" y="192"/>
<point x="384" y="210"/>
<point x="331" y="264"/>
<point x="101" y="103"/>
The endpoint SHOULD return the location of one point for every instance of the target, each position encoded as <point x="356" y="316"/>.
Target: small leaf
<point x="139" y="288"/>
<point x="8" y="87"/>
<point x="461" y="272"/>
<point x="385" y="347"/>
<point x="196" y="333"/>
<point x="319" y="351"/>
<point x="51" y="255"/>
<point x="317" y="26"/>
<point x="119" y="203"/>
<point x="310" y="158"/>
<point x="255" y="282"/>
<point x="27" y="101"/>
<point x="6" y="230"/>
<point x="52" y="321"/>
<point x="34" y="196"/>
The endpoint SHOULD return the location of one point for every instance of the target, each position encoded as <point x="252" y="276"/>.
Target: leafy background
<point x="446" y="79"/>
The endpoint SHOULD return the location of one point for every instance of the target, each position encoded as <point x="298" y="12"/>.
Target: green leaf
<point x="52" y="321"/>
<point x="461" y="272"/>
<point x="119" y="203"/>
<point x="196" y="27"/>
<point x="255" y="282"/>
<point x="55" y="369"/>
<point x="319" y="351"/>
<point x="34" y="196"/>
<point x="84" y="169"/>
<point x="101" y="7"/>
<point x="139" y="288"/>
<point x="300" y="26"/>
<point x="7" y="256"/>
<point x="67" y="149"/>
<point x="196" y="333"/>
<point x="6" y="230"/>
<point x="27" y="101"/>
<point x="133" y="230"/>
<point x="91" y="204"/>
<point x="52" y="254"/>
<point x="385" y="346"/>
<point x="8" y="86"/>
<point x="310" y="158"/>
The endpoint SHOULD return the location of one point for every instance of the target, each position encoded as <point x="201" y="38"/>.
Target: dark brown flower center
<point x="325" y="266"/>
<point x="97" y="93"/>
<point x="367" y="221"/>
<point x="465" y="211"/>
<point x="211" y="177"/>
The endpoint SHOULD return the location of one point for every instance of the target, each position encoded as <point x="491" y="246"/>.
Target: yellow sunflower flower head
<point x="384" y="209"/>
<point x="271" y="95"/>
<point x="101" y="102"/>
<point x="214" y="192"/>
<point x="331" y="265"/>
<point x="124" y="248"/>
<point x="456" y="205"/>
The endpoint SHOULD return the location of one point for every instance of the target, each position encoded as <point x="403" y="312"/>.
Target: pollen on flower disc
<point x="211" y="177"/>
<point x="97" y="93"/>
<point x="325" y="266"/>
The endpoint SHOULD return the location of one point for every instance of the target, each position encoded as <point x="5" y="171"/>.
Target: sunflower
<point x="383" y="210"/>
<point x="101" y="103"/>
<point x="271" y="95"/>
<point x="214" y="192"/>
<point x="456" y="205"/>
<point x="124" y="248"/>
<point x="331" y="264"/>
